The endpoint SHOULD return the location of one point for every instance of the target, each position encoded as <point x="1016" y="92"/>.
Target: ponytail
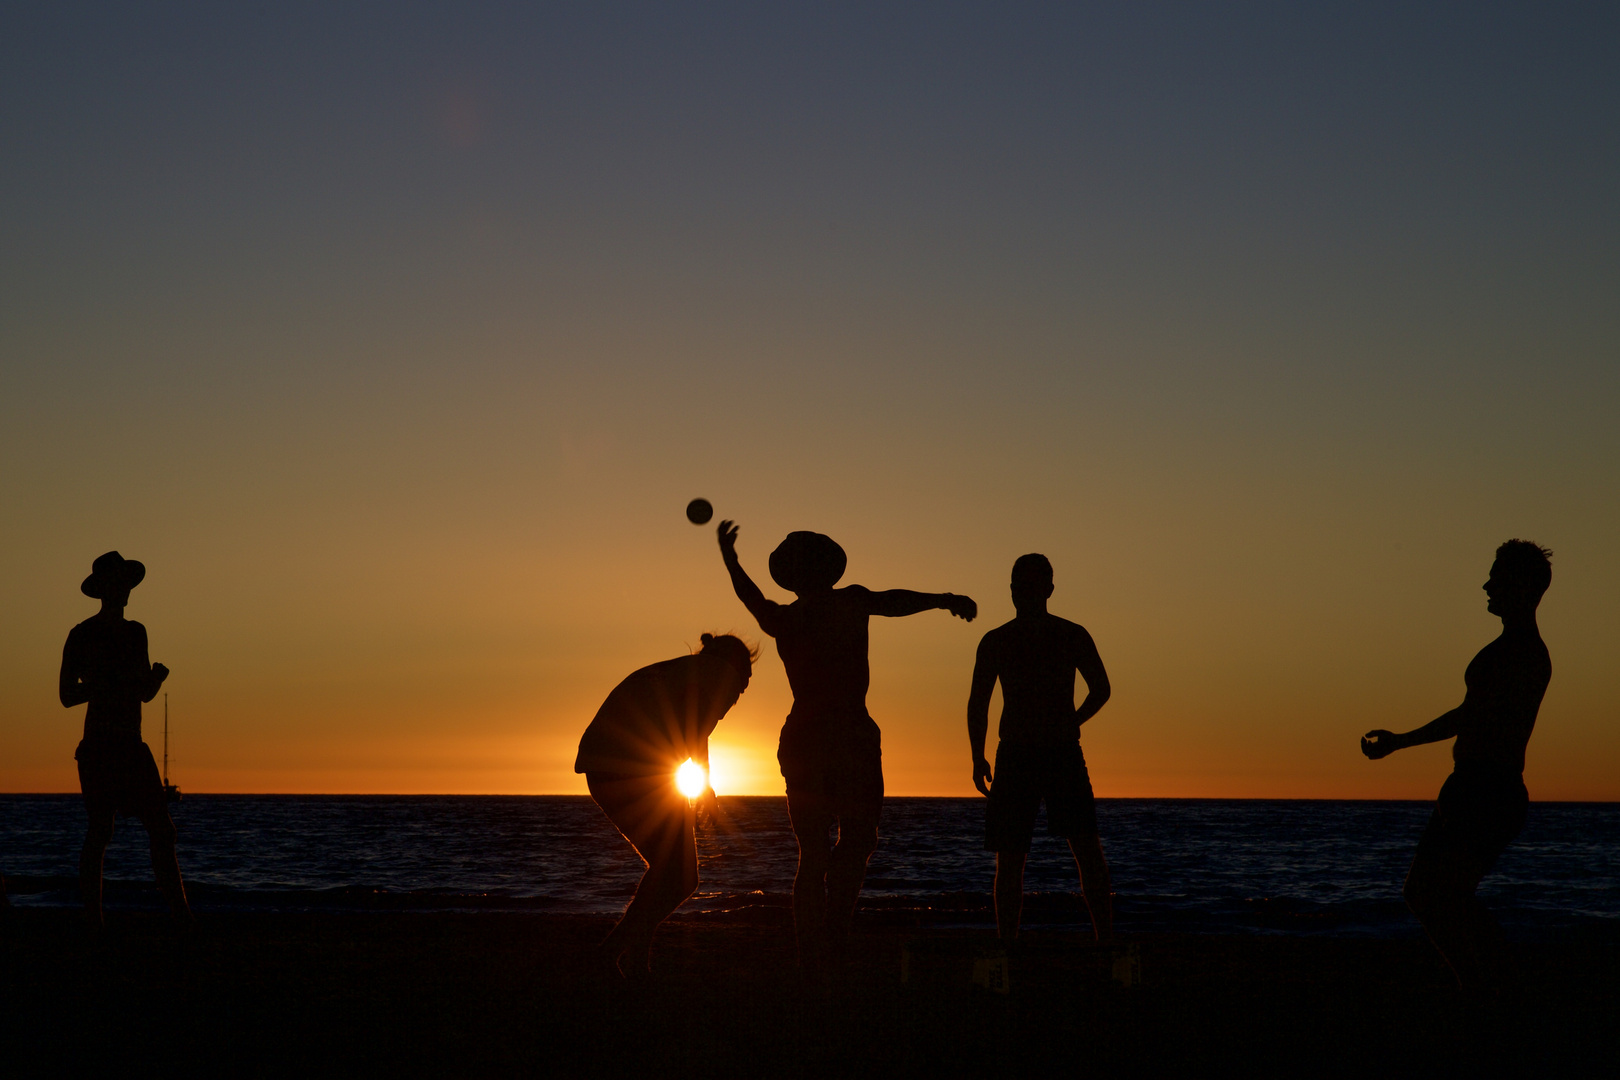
<point x="736" y="651"/>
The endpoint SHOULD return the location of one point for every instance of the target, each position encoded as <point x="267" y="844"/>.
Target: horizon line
<point x="754" y="795"/>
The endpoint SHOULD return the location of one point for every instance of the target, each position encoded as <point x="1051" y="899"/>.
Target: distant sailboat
<point x="170" y="792"/>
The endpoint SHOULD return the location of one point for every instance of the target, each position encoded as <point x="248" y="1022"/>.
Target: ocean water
<point x="1295" y="866"/>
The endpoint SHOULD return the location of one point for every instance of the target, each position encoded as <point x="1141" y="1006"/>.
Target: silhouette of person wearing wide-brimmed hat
<point x="830" y="749"/>
<point x="105" y="664"/>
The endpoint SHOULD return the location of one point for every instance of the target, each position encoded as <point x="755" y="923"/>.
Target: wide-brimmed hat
<point x="111" y="574"/>
<point x="807" y="561"/>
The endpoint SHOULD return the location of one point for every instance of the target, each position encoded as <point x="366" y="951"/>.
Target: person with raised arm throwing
<point x="830" y="750"/>
<point x="1482" y="805"/>
<point x="1035" y="656"/>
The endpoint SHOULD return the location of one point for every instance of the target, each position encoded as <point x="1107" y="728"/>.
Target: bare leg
<point x="1009" y="894"/>
<point x="659" y="825"/>
<point x="810" y="825"/>
<point x="97" y="835"/>
<point x="846" y="872"/>
<point x="1441" y="894"/>
<point x="1095" y="884"/>
<point x="165" y="863"/>
<point x="663" y="888"/>
<point x="810" y="902"/>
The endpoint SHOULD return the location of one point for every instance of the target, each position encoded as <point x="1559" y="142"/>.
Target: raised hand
<point x="727" y="533"/>
<point x="962" y="607"/>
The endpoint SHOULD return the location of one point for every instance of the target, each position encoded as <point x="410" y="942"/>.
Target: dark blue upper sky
<point x="1355" y="143"/>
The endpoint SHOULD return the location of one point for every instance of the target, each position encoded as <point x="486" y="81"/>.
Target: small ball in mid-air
<point x="698" y="511"/>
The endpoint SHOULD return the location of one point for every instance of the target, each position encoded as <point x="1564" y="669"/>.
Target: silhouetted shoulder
<point x="1049" y="635"/>
<point x="857" y="596"/>
<point x="1510" y="659"/>
<point x="125" y="634"/>
<point x="1074" y="632"/>
<point x="996" y="639"/>
<point x="1047" y="627"/>
<point x="994" y="647"/>
<point x="850" y="600"/>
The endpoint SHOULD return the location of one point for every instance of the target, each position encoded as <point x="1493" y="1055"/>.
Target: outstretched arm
<point x="898" y="602"/>
<point x="1380" y="743"/>
<point x="763" y="610"/>
<point x="978" y="715"/>
<point x="1091" y="669"/>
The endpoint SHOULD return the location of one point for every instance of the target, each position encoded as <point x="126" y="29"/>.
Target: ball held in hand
<point x="698" y="511"/>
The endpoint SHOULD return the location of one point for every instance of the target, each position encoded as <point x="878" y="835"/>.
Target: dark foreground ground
<point x="414" y="994"/>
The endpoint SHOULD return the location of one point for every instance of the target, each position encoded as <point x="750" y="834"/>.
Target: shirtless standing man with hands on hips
<point x="1035" y="656"/>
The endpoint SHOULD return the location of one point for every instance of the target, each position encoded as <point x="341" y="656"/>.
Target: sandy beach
<point x="493" y="994"/>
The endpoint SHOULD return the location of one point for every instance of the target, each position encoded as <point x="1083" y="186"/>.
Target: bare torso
<point x="822" y="639"/>
<point x="1506" y="681"/>
<point x="1036" y="657"/>
<point x="109" y="658"/>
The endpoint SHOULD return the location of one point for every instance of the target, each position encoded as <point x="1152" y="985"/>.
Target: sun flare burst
<point x="691" y="779"/>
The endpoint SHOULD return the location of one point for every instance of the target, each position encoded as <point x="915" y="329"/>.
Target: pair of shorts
<point x="653" y="815"/>
<point x="834" y="760"/>
<point x="1026" y="776"/>
<point x="1479" y="812"/>
<point x="119" y="775"/>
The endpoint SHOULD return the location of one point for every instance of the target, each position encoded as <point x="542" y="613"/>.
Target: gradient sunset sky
<point x="395" y="337"/>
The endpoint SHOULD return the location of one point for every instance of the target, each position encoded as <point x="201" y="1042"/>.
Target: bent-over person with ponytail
<point x="646" y="729"/>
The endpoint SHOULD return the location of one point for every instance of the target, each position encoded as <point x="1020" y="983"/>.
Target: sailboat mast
<point x="165" y="741"/>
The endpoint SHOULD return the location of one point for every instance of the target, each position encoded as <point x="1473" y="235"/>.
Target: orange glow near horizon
<point x="458" y="685"/>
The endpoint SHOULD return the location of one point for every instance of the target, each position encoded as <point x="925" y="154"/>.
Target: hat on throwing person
<point x="806" y="561"/>
<point x="111" y="574"/>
